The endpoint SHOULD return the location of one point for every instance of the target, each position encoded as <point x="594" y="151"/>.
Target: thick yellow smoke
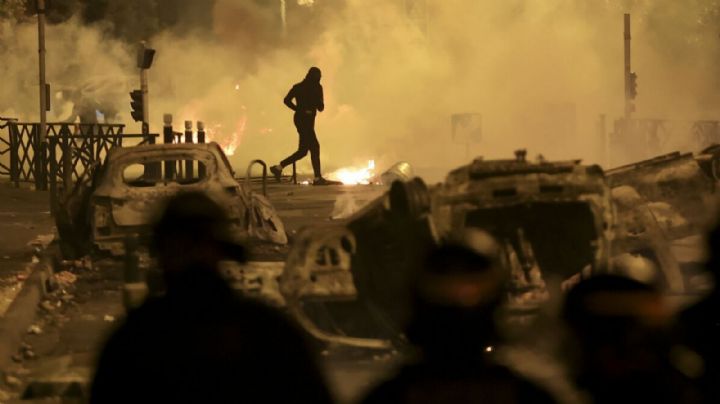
<point x="539" y="72"/>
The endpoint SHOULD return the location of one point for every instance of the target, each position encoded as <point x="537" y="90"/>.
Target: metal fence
<point x="69" y="151"/>
<point x="637" y="139"/>
<point x="5" y="147"/>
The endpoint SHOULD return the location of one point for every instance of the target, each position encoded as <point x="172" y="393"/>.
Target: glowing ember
<point x="230" y="148"/>
<point x="354" y="175"/>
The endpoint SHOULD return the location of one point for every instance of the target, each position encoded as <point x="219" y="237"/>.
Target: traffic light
<point x="136" y="104"/>
<point x="145" y="57"/>
<point x="632" y="85"/>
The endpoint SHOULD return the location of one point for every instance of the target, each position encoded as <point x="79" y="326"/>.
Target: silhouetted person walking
<point x="456" y="295"/>
<point x="308" y="96"/>
<point x="200" y="343"/>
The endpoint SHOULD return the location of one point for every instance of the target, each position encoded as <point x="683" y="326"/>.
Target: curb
<point x="23" y="310"/>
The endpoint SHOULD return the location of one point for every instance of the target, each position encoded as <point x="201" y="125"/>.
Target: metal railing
<point x="633" y="139"/>
<point x="70" y="149"/>
<point x="5" y="147"/>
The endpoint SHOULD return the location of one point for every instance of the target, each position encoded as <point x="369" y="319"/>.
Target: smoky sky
<point x="540" y="72"/>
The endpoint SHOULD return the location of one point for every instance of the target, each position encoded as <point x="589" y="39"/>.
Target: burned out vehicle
<point x="664" y="205"/>
<point x="686" y="181"/>
<point x="553" y="222"/>
<point x="121" y="197"/>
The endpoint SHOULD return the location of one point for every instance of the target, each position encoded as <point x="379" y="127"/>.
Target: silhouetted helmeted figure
<point x="308" y="96"/>
<point x="456" y="295"/>
<point x="620" y="335"/>
<point x="700" y="325"/>
<point x="200" y="343"/>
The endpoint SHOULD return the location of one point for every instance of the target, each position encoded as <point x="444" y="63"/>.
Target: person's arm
<point x="288" y="99"/>
<point x="321" y="104"/>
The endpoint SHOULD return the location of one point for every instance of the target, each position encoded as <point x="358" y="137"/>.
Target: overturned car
<point x="553" y="222"/>
<point x="119" y="198"/>
<point x="551" y="219"/>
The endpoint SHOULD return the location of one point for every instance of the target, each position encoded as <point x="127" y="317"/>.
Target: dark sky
<point x="131" y="20"/>
<point x="139" y="19"/>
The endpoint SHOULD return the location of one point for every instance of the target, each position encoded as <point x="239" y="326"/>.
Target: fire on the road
<point x="354" y="175"/>
<point x="228" y="142"/>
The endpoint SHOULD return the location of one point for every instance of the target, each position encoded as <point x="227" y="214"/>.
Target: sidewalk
<point x="26" y="227"/>
<point x="24" y="219"/>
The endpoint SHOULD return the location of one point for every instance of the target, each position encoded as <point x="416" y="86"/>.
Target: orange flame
<point x="354" y="175"/>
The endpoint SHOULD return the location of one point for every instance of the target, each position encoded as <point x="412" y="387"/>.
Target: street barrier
<point x="70" y="150"/>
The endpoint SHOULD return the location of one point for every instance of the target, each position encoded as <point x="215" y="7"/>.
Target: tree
<point x="12" y="9"/>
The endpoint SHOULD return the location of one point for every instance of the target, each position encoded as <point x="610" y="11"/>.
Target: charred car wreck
<point x="555" y="223"/>
<point x="663" y="204"/>
<point x="119" y="199"/>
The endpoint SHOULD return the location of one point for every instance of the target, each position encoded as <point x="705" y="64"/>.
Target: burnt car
<point x="553" y="222"/>
<point x="120" y="198"/>
<point x="664" y="205"/>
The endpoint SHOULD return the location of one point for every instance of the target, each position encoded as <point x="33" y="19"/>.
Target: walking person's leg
<point x="314" y="148"/>
<point x="302" y="151"/>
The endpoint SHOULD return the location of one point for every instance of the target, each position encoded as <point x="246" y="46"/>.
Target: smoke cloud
<point x="539" y="73"/>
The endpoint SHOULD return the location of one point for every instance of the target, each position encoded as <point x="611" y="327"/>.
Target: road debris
<point x="65" y="278"/>
<point x="48" y="306"/>
<point x="12" y="381"/>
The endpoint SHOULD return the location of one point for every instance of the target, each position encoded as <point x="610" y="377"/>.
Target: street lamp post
<point x="40" y="160"/>
<point x="43" y="84"/>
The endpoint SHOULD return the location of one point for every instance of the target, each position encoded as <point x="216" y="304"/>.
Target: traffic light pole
<point x="139" y="100"/>
<point x="41" y="51"/>
<point x="629" y="107"/>
<point x="146" y="108"/>
<point x="40" y="159"/>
